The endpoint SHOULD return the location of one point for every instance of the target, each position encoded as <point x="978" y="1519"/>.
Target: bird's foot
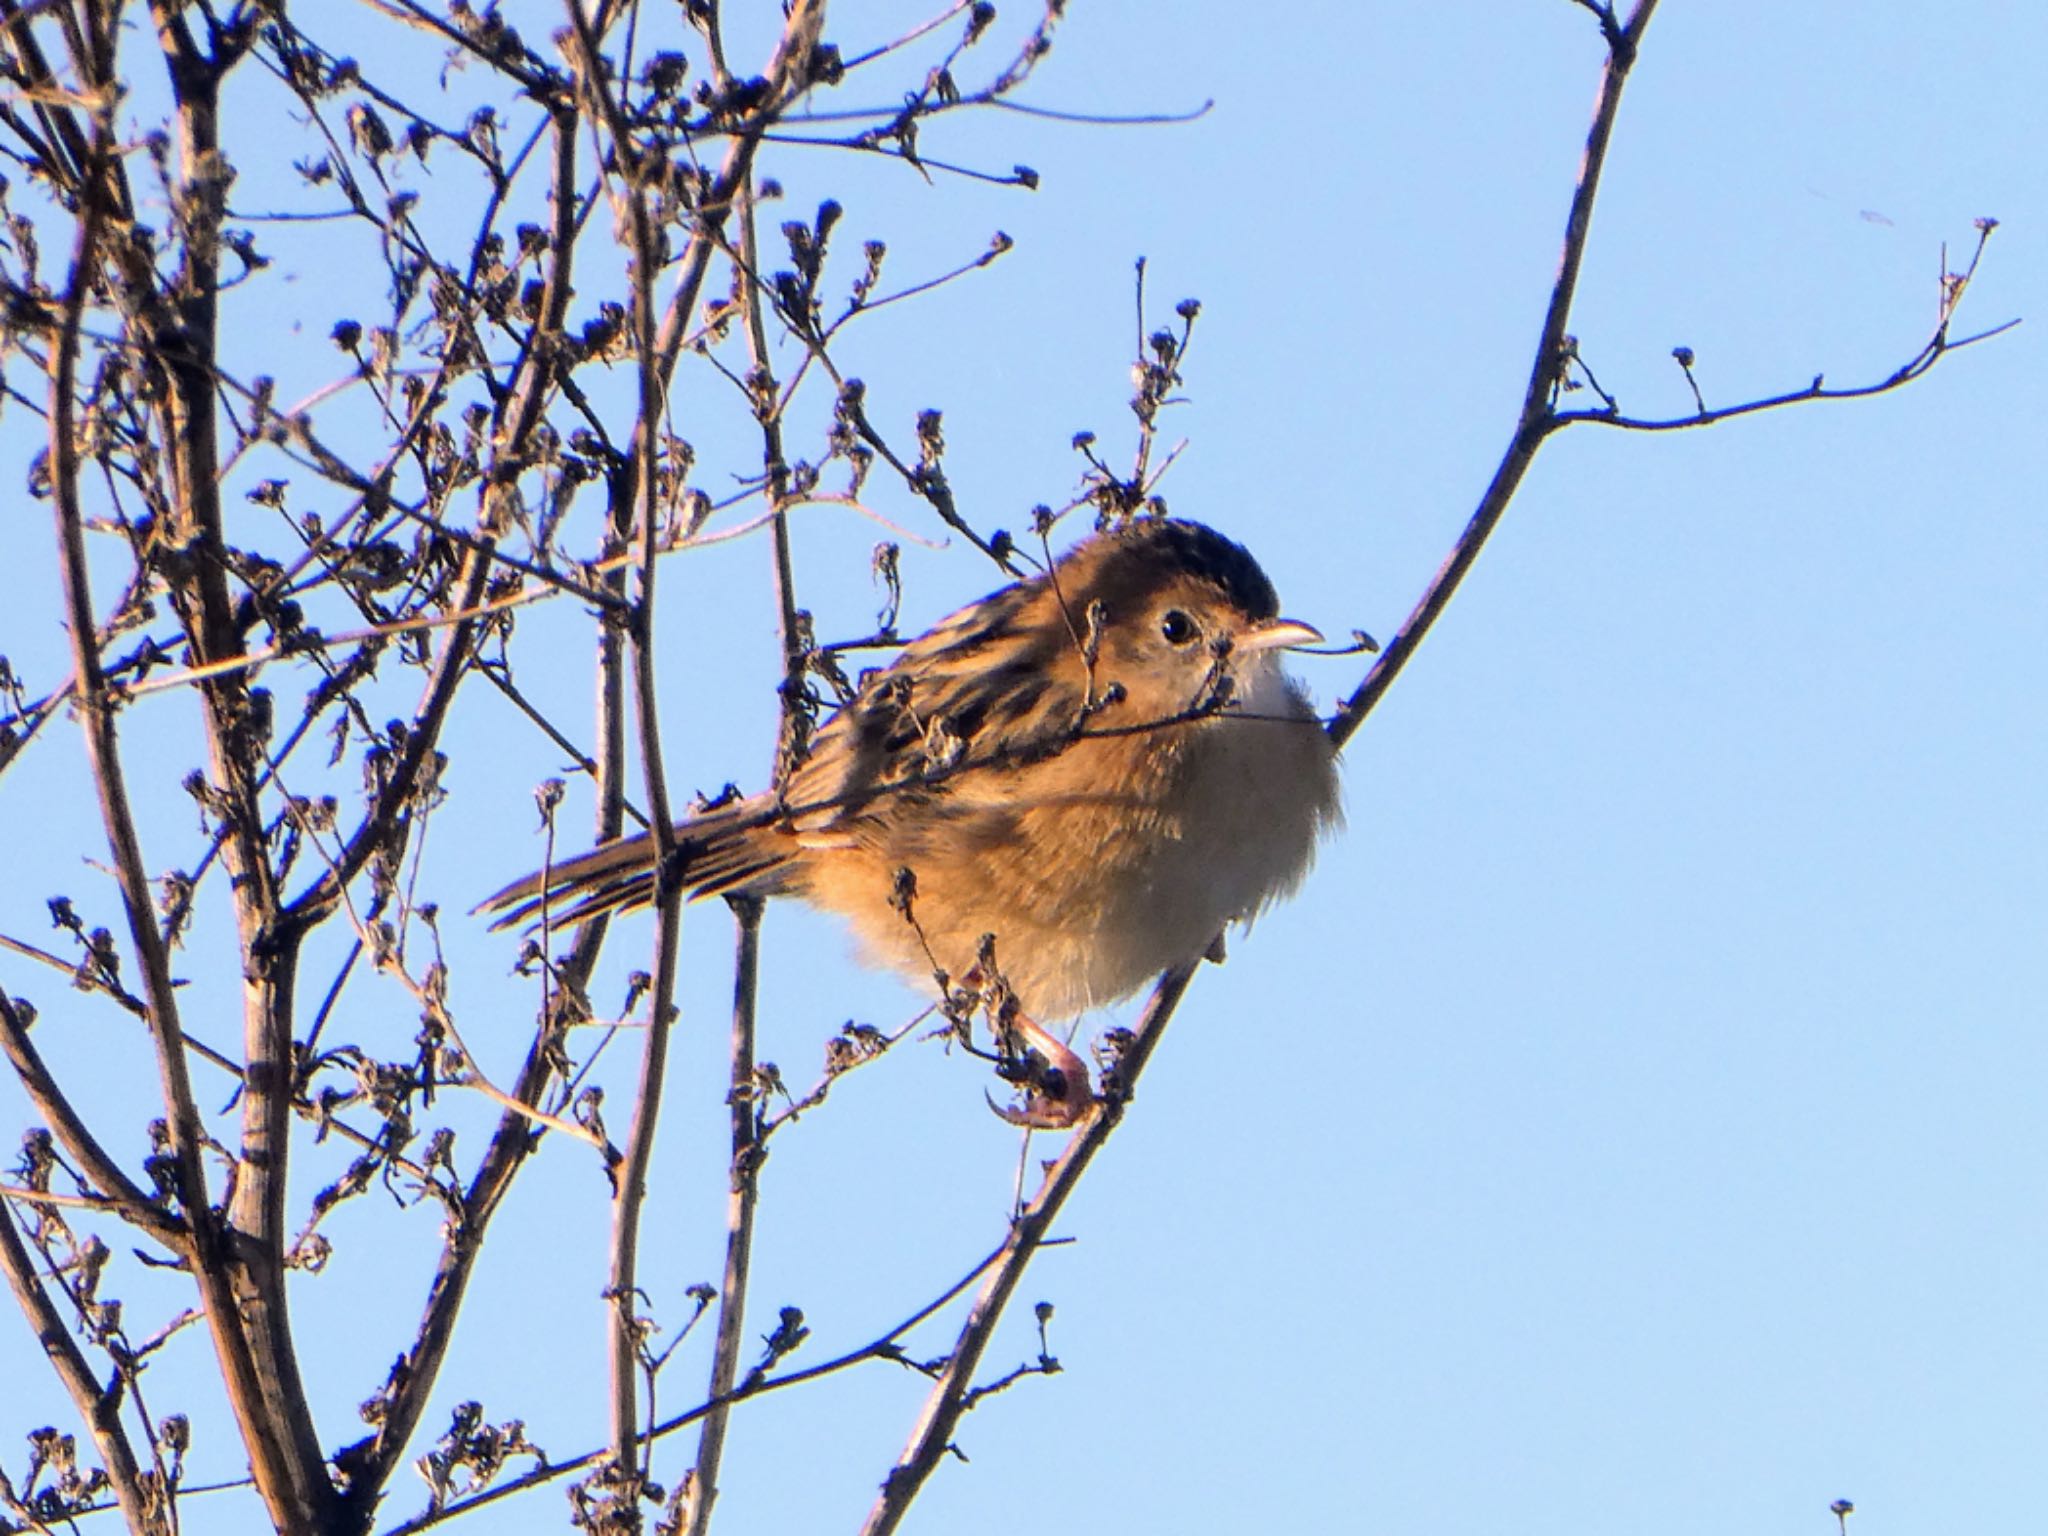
<point x="1057" y="1091"/>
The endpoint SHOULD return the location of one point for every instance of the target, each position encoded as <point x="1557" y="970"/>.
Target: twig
<point x="1536" y="420"/>
<point x="371" y="1463"/>
<point x="791" y="743"/>
<point x="278" y="1472"/>
<point x="882" y="1347"/>
<point x="950" y="1394"/>
<point x="743" y="1102"/>
<point x="77" y="1138"/>
<point x="101" y="1410"/>
<point x="622" y="1287"/>
<point x="1937" y="346"/>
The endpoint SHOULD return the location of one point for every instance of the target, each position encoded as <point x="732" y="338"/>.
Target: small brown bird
<point x="1100" y="766"/>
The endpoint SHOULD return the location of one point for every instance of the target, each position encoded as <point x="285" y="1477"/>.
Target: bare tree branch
<point x="516" y="350"/>
<point x="885" y="1346"/>
<point x="77" y="1138"/>
<point x="282" y="1476"/>
<point x="100" y="1410"/>
<point x="744" y="1104"/>
<point x="1536" y="420"/>
<point x="952" y="1389"/>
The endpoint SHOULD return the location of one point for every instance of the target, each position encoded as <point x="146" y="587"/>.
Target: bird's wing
<point x="985" y="687"/>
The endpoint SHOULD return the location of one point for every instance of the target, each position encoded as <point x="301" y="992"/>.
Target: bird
<point x="1052" y="796"/>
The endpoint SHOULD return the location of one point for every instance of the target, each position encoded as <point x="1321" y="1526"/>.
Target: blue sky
<point x="1636" y="1122"/>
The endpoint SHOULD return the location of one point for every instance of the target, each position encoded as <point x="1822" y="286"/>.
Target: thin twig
<point x="791" y="742"/>
<point x="100" y="1410"/>
<point x="630" y="1175"/>
<point x="743" y="1105"/>
<point x="77" y="1139"/>
<point x="1536" y="419"/>
<point x="950" y="1394"/>
<point x="1937" y="346"/>
<point x="273" y="1465"/>
<point x="371" y="1463"/>
<point x="884" y="1346"/>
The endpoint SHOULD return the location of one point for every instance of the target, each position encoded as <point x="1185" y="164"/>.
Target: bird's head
<point x="1188" y="621"/>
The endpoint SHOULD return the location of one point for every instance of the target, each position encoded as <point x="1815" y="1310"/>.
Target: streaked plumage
<point x="1103" y="821"/>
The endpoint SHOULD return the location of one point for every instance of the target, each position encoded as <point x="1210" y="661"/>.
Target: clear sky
<point x="1636" y="1124"/>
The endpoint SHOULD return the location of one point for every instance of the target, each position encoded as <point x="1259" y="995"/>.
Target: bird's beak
<point x="1279" y="635"/>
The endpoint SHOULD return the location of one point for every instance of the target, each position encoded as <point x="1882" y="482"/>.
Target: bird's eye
<point x="1176" y="627"/>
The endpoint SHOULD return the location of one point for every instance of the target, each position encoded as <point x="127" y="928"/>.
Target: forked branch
<point x="951" y="1394"/>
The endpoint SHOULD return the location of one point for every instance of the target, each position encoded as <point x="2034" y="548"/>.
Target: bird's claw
<point x="1057" y="1092"/>
<point x="1042" y="1111"/>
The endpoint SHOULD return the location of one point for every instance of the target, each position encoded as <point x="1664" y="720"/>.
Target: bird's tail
<point x="738" y="848"/>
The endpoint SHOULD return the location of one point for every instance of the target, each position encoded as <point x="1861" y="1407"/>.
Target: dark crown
<point x="1143" y="551"/>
